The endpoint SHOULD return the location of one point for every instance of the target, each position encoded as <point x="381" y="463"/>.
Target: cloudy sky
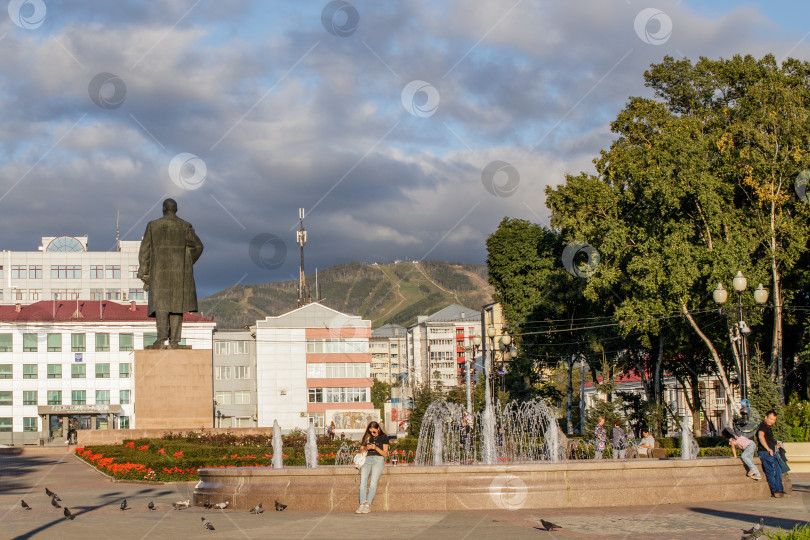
<point x="407" y="129"/>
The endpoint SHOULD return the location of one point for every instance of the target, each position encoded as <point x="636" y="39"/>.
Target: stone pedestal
<point x="173" y="389"/>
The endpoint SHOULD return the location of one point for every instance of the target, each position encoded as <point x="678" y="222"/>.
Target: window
<point x="149" y="338"/>
<point x="102" y="371"/>
<point x="241" y="372"/>
<point x="29" y="371"/>
<point x="17" y="294"/>
<point x="136" y="294"/>
<point x="77" y="342"/>
<point x="240" y="347"/>
<point x="54" y="397"/>
<point x="35" y="271"/>
<point x="54" y="371"/>
<point x="54" y="342"/>
<point x="337" y="345"/>
<point x="241" y="397"/>
<point x="316" y="371"/>
<point x="316" y="395"/>
<point x="113" y="272"/>
<point x="222" y="347"/>
<point x="123" y="397"/>
<point x="125" y="342"/>
<point x="223" y="398"/>
<point x="223" y="373"/>
<point x="346" y="395"/>
<point x="96" y="272"/>
<point x="102" y="397"/>
<point x="78" y="371"/>
<point x="113" y="294"/>
<point x="1" y="272"/>
<point x="5" y="371"/>
<point x="133" y="271"/>
<point x="5" y="424"/>
<point x="5" y="398"/>
<point x="5" y="342"/>
<point x="1" y="290"/>
<point x="240" y="422"/>
<point x="69" y="271"/>
<point x="78" y="397"/>
<point x="29" y="397"/>
<point x="29" y="343"/>
<point x="33" y="294"/>
<point x="102" y="342"/>
<point x="123" y="370"/>
<point x="30" y="423"/>
<point x="18" y="271"/>
<point x="123" y="422"/>
<point x="96" y="294"/>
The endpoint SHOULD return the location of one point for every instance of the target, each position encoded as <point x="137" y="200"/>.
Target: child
<point x="747" y="455"/>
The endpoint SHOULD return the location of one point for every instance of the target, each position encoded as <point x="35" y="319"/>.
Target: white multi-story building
<point x="75" y="359"/>
<point x="313" y="365"/>
<point x="387" y="346"/>
<point x="235" y="398"/>
<point x="437" y="346"/>
<point x="64" y="269"/>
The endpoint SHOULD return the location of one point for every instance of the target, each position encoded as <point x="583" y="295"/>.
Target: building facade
<point x="75" y="358"/>
<point x="313" y="366"/>
<point x="64" y="269"/>
<point x="235" y="397"/>
<point x="438" y="346"/>
<point x="387" y="345"/>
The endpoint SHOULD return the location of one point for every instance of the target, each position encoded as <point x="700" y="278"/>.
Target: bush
<point x="799" y="532"/>
<point x="796" y="417"/>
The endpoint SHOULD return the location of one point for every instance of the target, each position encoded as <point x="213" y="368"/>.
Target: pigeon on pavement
<point x="207" y="504"/>
<point x="549" y="525"/>
<point x="257" y="509"/>
<point x="207" y="524"/>
<point x="124" y="505"/>
<point x="757" y="528"/>
<point x="51" y="494"/>
<point x="179" y="505"/>
<point x="25" y="504"/>
<point x="67" y="513"/>
<point x="151" y="505"/>
<point x="54" y="503"/>
<point x="280" y="507"/>
<point x="222" y="505"/>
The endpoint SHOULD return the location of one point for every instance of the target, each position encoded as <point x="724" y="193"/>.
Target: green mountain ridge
<point x="395" y="292"/>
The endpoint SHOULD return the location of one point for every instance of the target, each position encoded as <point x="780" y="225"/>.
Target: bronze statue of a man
<point x="169" y="249"/>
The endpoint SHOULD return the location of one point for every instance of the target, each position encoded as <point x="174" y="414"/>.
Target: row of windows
<point x="338" y="395"/>
<point x="77" y="371"/>
<point x="337" y="345"/>
<point x="240" y="397"/>
<point x="231" y="347"/>
<point x="54" y="397"/>
<point x="337" y="370"/>
<point x="73" y="294"/>
<point x="69" y="271"/>
<point x="224" y="373"/>
<point x="30" y="423"/>
<point x="78" y="342"/>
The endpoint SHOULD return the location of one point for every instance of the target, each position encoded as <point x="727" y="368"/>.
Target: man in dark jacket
<point x="169" y="249"/>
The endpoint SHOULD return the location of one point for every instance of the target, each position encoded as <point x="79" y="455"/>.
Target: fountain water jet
<point x="311" y="448"/>
<point x="278" y="453"/>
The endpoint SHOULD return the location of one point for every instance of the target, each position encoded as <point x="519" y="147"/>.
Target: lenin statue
<point x="169" y="249"/>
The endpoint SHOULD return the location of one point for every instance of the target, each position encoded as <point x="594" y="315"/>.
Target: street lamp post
<point x="476" y="342"/>
<point x="720" y="295"/>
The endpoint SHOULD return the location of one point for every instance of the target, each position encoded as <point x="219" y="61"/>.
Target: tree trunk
<point x="718" y="364"/>
<point x="657" y="372"/>
<point x="776" y="347"/>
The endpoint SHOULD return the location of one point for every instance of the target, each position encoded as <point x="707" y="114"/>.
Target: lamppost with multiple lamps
<point x="476" y="342"/>
<point x="720" y="295"/>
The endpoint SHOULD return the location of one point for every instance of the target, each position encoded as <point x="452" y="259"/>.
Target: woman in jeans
<point x="747" y="456"/>
<point x="375" y="442"/>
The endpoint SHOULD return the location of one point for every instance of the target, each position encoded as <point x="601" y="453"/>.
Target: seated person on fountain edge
<point x="647" y="444"/>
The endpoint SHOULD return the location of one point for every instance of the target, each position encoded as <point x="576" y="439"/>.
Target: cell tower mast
<point x="301" y="235"/>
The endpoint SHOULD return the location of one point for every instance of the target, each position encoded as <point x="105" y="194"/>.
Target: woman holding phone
<point x="375" y="443"/>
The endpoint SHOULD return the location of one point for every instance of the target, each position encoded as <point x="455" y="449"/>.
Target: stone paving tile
<point x="95" y="501"/>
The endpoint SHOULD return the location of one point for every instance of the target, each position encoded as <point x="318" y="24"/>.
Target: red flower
<point x="178" y="455"/>
<point x="130" y="444"/>
<point x="162" y="451"/>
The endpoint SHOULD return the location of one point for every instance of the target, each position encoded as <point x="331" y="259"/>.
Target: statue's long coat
<point x="169" y="249"/>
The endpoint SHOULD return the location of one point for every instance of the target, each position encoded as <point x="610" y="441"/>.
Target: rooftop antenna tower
<point x="301" y="236"/>
<point x="117" y="237"/>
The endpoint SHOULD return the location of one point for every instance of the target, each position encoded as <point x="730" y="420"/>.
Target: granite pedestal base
<point x="486" y="487"/>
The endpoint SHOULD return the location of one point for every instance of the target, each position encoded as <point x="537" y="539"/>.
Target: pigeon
<point x="25" y="504"/>
<point x="757" y="528"/>
<point x="257" y="509"/>
<point x="179" y="505"/>
<point x="207" y="504"/>
<point x="67" y="513"/>
<point x="124" y="505"/>
<point x="54" y="503"/>
<point x="51" y="494"/>
<point x="151" y="505"/>
<point x="222" y="505"/>
<point x="549" y="525"/>
<point x="280" y="507"/>
<point x="207" y="524"/>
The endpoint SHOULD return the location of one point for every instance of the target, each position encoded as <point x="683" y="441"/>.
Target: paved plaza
<point x="95" y="502"/>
